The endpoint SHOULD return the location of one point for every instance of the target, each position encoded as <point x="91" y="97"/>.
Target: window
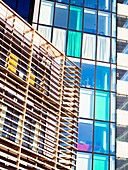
<point x="89" y="20"/>
<point x="59" y="39"/>
<point x="103" y="76"/>
<point x="100" y="162"/>
<point x="104" y="5"/>
<point x="86" y="96"/>
<point x="102" y="105"/>
<point x="75" y="19"/>
<point x="77" y="2"/>
<point x="87" y="77"/>
<point x="85" y="139"/>
<point x="84" y="161"/>
<point x="91" y="3"/>
<point x="104" y="21"/>
<point x="88" y="46"/>
<point x="101" y="137"/>
<point x="113" y="106"/>
<point x="113" y="77"/>
<point x="74" y="44"/>
<point x="112" y="138"/>
<point x="61" y="15"/>
<point x="46" y="13"/>
<point x="114" y="25"/>
<point x="45" y="32"/>
<point x="103" y="49"/>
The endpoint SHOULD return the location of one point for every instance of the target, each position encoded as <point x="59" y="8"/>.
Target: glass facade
<point x="85" y="30"/>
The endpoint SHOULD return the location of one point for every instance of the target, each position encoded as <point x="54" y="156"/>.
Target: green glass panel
<point x="102" y="105"/>
<point x="74" y="44"/>
<point x="100" y="162"/>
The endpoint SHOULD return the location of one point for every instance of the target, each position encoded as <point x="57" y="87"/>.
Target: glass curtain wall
<point x="85" y="30"/>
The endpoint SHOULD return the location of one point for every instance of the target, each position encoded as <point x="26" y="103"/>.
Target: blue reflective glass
<point x="11" y="4"/>
<point x="74" y="44"/>
<point x="114" y="5"/>
<point x="61" y="16"/>
<point x="103" y="76"/>
<point x="85" y="134"/>
<point x="100" y="162"/>
<point x="23" y="7"/>
<point x="77" y="2"/>
<point x="104" y="21"/>
<point x="102" y="105"/>
<point x="113" y="77"/>
<point x="104" y="5"/>
<point x="113" y="58"/>
<point x="113" y="106"/>
<point x="75" y="19"/>
<point x="101" y="137"/>
<point x="65" y="1"/>
<point x="89" y="20"/>
<point x="114" y="25"/>
<point x="87" y="77"/>
<point x="112" y="163"/>
<point x="90" y="3"/>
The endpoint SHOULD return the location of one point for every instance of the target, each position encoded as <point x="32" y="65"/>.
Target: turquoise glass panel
<point x="74" y="44"/>
<point x="101" y="137"/>
<point x="100" y="162"/>
<point x="75" y="19"/>
<point x="102" y="105"/>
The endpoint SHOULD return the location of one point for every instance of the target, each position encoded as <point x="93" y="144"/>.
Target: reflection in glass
<point x="102" y="105"/>
<point x="87" y="74"/>
<point x="104" y="5"/>
<point x="59" y="39"/>
<point x="112" y="138"/>
<point x="89" y="46"/>
<point x="104" y="20"/>
<point x="113" y="58"/>
<point x="61" y="16"/>
<point x="46" y="13"/>
<point x="103" y="76"/>
<point x="112" y="162"/>
<point x="74" y="44"/>
<point x="103" y="49"/>
<point x="101" y="137"/>
<point x="84" y="161"/>
<point x="114" y="25"/>
<point x="100" y="162"/>
<point x="86" y="96"/>
<point x="75" y="19"/>
<point x="113" y="77"/>
<point x="90" y="20"/>
<point x="114" y="5"/>
<point x="85" y="139"/>
<point x="65" y="1"/>
<point x="45" y="32"/>
<point x="77" y="2"/>
<point x="90" y="3"/>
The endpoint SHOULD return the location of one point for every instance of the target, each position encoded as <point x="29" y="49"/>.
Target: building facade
<point x="39" y="99"/>
<point x="93" y="34"/>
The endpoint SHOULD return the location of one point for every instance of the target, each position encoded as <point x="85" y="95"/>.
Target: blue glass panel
<point x="61" y="15"/>
<point x="104" y="21"/>
<point x="113" y="77"/>
<point x="104" y="5"/>
<point x="84" y="161"/>
<point x="75" y="19"/>
<point x="87" y="77"/>
<point x="23" y="8"/>
<point x="112" y="163"/>
<point x="112" y="138"/>
<point x="90" y="20"/>
<point x="114" y="25"/>
<point x="102" y="105"/>
<point x="77" y="2"/>
<point x="85" y="134"/>
<point x="100" y="162"/>
<point x="65" y="1"/>
<point x="114" y="5"/>
<point x="90" y="3"/>
<point x="103" y="76"/>
<point x="74" y="44"/>
<point x="113" y="58"/>
<point x="11" y="4"/>
<point x="101" y="137"/>
<point x="86" y="96"/>
<point x="113" y="106"/>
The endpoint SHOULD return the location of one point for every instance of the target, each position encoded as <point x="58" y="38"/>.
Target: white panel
<point x="122" y="33"/>
<point x="122" y="149"/>
<point x="122" y="117"/>
<point x="122" y="9"/>
<point x="122" y="60"/>
<point x="122" y="87"/>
